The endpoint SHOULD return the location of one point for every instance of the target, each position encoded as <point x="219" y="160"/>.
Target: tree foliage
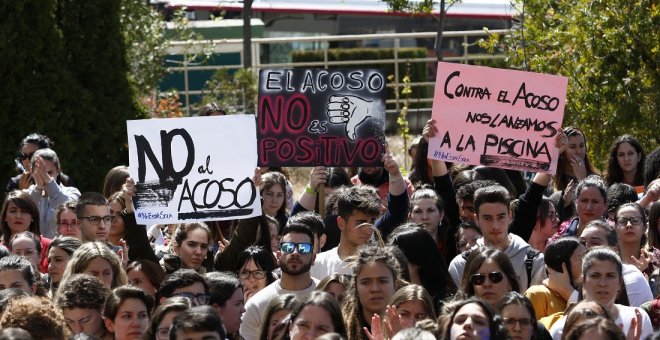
<point x="65" y="72"/>
<point x="609" y="50"/>
<point x="235" y="92"/>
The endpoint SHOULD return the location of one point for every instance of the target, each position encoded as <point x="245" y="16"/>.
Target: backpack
<point x="529" y="261"/>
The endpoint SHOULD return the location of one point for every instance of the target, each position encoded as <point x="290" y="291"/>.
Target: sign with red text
<point x="495" y="117"/>
<point x="193" y="169"/>
<point x="310" y="117"/>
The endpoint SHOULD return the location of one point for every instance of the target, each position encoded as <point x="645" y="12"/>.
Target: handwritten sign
<point x="193" y="169"/>
<point x="495" y="117"/>
<point x="321" y="117"/>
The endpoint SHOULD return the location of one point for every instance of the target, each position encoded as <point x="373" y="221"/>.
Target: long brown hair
<point x="24" y="202"/>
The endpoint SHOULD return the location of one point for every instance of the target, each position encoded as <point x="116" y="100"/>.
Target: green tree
<point x="37" y="93"/>
<point x="96" y="57"/>
<point x="609" y="50"/>
<point x="143" y="31"/>
<point x="424" y="7"/>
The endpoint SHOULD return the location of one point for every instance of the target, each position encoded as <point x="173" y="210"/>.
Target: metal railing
<point x="391" y="39"/>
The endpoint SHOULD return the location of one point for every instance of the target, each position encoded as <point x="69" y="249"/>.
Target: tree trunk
<point x="441" y="28"/>
<point x="247" y="34"/>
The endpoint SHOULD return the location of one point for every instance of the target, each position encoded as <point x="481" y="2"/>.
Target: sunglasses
<point x="23" y="156"/>
<point x="290" y="247"/>
<point x="479" y="279"/>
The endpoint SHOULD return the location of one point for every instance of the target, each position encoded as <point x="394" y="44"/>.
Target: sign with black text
<point x="193" y="169"/>
<point x="495" y="117"/>
<point x="310" y="117"/>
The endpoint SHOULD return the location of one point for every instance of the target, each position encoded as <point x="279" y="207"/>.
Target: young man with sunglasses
<point x="296" y="256"/>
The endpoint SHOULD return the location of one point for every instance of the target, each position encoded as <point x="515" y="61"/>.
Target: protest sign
<point x="193" y="169"/>
<point x="310" y="117"/>
<point x="495" y="117"/>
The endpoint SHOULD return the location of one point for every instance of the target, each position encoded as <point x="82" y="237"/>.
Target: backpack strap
<point x="529" y="263"/>
<point x="466" y="254"/>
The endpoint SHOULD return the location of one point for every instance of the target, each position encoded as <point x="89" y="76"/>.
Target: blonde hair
<point x="89" y="251"/>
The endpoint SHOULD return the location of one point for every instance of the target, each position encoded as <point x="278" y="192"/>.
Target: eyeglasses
<point x="257" y="274"/>
<point x="552" y="215"/>
<point x="623" y="221"/>
<point x="479" y="279"/>
<point x="200" y="299"/>
<point x="65" y="224"/>
<point x="97" y="219"/>
<point x="26" y="252"/>
<point x="23" y="156"/>
<point x="290" y="247"/>
<point x="523" y="322"/>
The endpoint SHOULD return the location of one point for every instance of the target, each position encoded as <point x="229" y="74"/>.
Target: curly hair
<point x="38" y="316"/>
<point x="81" y="291"/>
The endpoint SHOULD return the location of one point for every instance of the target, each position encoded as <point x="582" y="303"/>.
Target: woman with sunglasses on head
<point x="488" y="275"/>
<point x="518" y="316"/>
<point x="20" y="213"/>
<point x="602" y="281"/>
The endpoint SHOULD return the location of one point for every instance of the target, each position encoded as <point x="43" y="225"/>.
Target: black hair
<point x="310" y="219"/>
<point x="652" y="167"/>
<point x="491" y="194"/>
<point x="299" y="229"/>
<point x="89" y="198"/>
<point x="119" y="295"/>
<point x="21" y="264"/>
<point x="466" y="192"/>
<point x="197" y="319"/>
<point x="618" y="194"/>
<point x="41" y="141"/>
<point x="559" y="252"/>
<point x="178" y="279"/>
<point x="221" y="287"/>
<point x="67" y="243"/>
<point x="362" y="198"/>
<point x="9" y="294"/>
<point x="420" y="249"/>
<point x="614" y="172"/>
<point x="262" y="258"/>
<point x="515" y="298"/>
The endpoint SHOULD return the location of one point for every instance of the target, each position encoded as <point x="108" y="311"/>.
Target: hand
<point x="128" y="192"/>
<point x="349" y="109"/>
<point x="643" y="262"/>
<point x="429" y="130"/>
<point x="24" y="181"/>
<point x="376" y="329"/>
<point x="390" y="164"/>
<point x="222" y="245"/>
<point x="559" y="282"/>
<point x="579" y="168"/>
<point x="393" y="321"/>
<point x="248" y="293"/>
<point x="256" y="178"/>
<point x="317" y="177"/>
<point x="569" y="193"/>
<point x="123" y="253"/>
<point x="653" y="190"/>
<point x="635" y="330"/>
<point x="41" y="177"/>
<point x="561" y="142"/>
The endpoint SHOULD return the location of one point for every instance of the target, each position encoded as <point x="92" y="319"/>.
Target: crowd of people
<point x="448" y="252"/>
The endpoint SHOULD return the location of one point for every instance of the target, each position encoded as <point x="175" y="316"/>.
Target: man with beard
<point x="296" y="257"/>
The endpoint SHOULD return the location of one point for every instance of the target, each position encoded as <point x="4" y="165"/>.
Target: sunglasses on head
<point x="479" y="279"/>
<point x="290" y="247"/>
